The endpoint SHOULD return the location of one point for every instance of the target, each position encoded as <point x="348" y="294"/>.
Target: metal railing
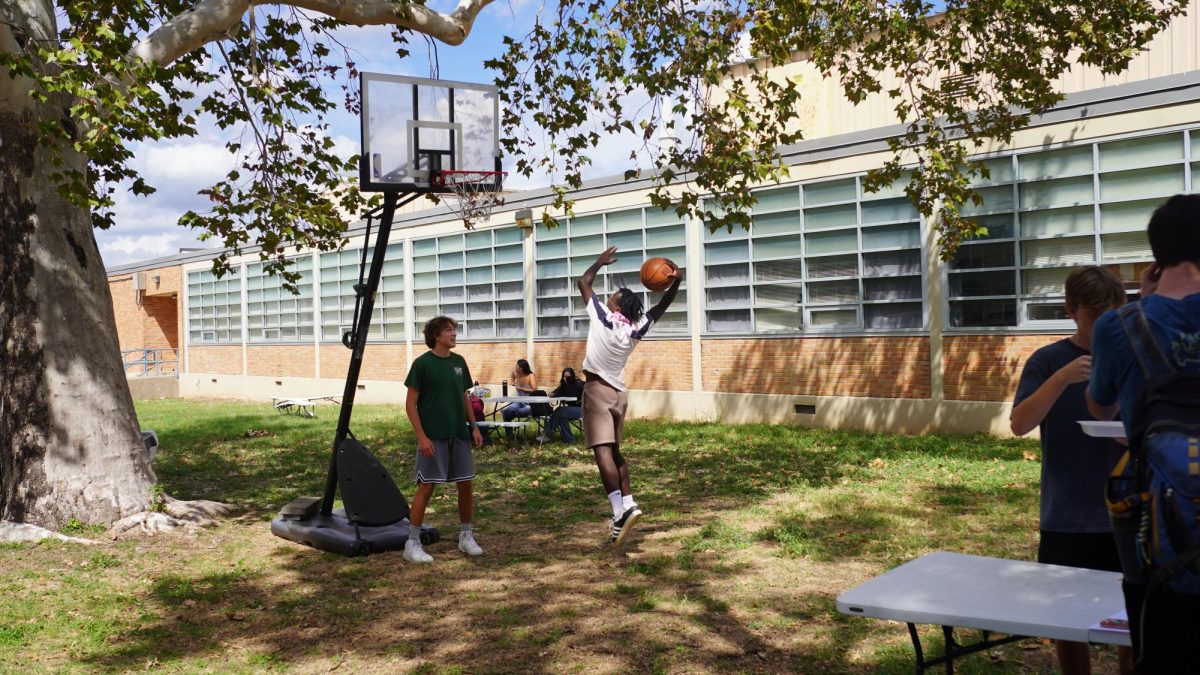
<point x="149" y="361"/>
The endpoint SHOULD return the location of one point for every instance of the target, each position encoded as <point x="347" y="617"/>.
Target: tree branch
<point x="211" y="20"/>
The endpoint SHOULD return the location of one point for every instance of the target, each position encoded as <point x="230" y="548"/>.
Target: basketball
<point x="656" y="274"/>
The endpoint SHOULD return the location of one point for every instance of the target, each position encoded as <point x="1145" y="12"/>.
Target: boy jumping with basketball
<point x="614" y="329"/>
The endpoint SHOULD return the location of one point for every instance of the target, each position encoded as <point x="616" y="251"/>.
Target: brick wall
<point x="551" y="357"/>
<point x="655" y="364"/>
<point x="494" y="361"/>
<point x="220" y="360"/>
<point x="488" y="361"/>
<point x="660" y="365"/>
<point x="160" y="322"/>
<point x="152" y="323"/>
<point x="126" y="311"/>
<point x="381" y="361"/>
<point x="168" y="282"/>
<point x="987" y="367"/>
<point x="884" y="367"/>
<point x="281" y="360"/>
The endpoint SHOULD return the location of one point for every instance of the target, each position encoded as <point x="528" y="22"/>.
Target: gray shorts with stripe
<point x="451" y="462"/>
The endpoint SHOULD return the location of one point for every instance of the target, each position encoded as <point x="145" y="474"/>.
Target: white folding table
<point x="1017" y="598"/>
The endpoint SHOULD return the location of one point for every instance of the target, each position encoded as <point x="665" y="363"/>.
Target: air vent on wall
<point x="802" y="409"/>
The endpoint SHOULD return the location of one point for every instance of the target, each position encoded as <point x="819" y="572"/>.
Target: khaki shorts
<point x="603" y="414"/>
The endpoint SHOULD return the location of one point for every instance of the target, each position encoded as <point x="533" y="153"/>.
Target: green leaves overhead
<point x="265" y="81"/>
<point x="703" y="72"/>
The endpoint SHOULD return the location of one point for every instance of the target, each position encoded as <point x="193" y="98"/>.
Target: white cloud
<point x="147" y="245"/>
<point x="190" y="162"/>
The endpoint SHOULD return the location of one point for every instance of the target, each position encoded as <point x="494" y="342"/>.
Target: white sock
<point x="627" y="502"/>
<point x="614" y="498"/>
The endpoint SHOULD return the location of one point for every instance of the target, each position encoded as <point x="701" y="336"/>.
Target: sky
<point x="147" y="227"/>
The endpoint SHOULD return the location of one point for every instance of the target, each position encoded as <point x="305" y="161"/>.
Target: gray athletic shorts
<point x="603" y="413"/>
<point x="451" y="462"/>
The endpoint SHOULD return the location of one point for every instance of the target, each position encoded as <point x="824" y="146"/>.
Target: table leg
<point x="916" y="640"/>
<point x="948" y="634"/>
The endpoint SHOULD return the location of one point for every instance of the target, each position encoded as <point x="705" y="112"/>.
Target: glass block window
<point x="565" y="252"/>
<point x="1048" y="212"/>
<point x="339" y="273"/>
<point x="275" y="314"/>
<point x="818" y="257"/>
<point x="476" y="278"/>
<point x="214" y="307"/>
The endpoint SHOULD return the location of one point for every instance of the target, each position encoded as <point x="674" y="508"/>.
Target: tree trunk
<point x="70" y="446"/>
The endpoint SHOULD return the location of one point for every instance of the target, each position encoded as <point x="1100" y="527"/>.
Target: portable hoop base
<point x="336" y="534"/>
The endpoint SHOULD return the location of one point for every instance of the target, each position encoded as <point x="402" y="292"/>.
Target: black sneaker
<point x="624" y="524"/>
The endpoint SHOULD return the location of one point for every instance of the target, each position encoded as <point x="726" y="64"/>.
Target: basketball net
<point x="473" y="194"/>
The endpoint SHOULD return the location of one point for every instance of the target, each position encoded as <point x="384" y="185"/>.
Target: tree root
<point x="11" y="532"/>
<point x="176" y="515"/>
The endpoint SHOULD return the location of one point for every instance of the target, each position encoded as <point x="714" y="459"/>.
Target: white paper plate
<point x="1114" y="429"/>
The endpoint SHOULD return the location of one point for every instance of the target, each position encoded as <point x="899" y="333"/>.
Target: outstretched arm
<point x="584" y="282"/>
<point x="656" y="312"/>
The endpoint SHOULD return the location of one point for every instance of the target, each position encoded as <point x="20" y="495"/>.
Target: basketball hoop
<point x="471" y="194"/>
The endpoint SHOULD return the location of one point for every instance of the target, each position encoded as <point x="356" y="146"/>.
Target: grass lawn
<point x="749" y="535"/>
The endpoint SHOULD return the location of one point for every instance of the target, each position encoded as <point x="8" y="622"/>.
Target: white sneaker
<point x="543" y="438"/>
<point x="415" y="552"/>
<point x="466" y="543"/>
<point x="622" y="525"/>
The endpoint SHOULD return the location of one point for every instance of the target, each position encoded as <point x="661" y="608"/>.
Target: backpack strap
<point x="1149" y="354"/>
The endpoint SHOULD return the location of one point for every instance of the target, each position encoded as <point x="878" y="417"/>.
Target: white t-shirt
<point x="611" y="339"/>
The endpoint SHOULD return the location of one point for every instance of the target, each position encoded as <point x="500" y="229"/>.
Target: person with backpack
<point x="1146" y="368"/>
<point x="1074" y="528"/>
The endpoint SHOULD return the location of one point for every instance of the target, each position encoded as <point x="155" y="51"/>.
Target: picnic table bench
<point x="300" y="405"/>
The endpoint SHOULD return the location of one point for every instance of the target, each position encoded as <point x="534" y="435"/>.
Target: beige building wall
<point x="826" y="111"/>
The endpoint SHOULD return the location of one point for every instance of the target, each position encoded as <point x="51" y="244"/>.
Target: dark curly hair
<point x="434" y="327"/>
<point x="630" y="304"/>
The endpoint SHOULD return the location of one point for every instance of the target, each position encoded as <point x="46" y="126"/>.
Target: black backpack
<point x="539" y="409"/>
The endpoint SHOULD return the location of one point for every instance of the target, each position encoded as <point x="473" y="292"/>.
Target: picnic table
<point x="1017" y="598"/>
<point x="305" y="406"/>
<point x="501" y="402"/>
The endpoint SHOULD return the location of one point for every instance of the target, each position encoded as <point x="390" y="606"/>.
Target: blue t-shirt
<point x="1075" y="466"/>
<point x="1116" y="375"/>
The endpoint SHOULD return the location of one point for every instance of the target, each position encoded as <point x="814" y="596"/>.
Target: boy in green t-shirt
<point x="440" y="413"/>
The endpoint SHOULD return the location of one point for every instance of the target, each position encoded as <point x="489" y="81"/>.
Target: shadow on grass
<point x="402" y="616"/>
<point x="548" y="596"/>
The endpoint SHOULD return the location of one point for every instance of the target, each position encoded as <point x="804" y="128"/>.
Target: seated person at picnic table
<point x="522" y="380"/>
<point x="568" y="386"/>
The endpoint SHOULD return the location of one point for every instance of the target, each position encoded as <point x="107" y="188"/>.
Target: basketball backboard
<point x="413" y="128"/>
